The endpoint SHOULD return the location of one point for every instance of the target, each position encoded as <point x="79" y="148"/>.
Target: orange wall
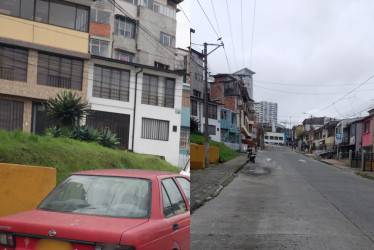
<point x="22" y="187"/>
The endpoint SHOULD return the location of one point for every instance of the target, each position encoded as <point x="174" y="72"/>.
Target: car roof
<point x="139" y="173"/>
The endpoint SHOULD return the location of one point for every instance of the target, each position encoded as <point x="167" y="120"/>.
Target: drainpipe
<point x="133" y="120"/>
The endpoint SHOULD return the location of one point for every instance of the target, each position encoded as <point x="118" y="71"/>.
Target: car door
<point x="176" y="212"/>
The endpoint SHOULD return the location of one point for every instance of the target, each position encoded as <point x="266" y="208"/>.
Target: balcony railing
<point x="6" y="73"/>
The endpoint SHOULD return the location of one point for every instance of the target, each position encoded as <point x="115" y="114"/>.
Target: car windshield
<point x="101" y="195"/>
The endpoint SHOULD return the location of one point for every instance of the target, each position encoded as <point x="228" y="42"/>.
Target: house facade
<point x="135" y="80"/>
<point x="43" y="50"/>
<point x="120" y="56"/>
<point x="231" y="93"/>
<point x="197" y="98"/>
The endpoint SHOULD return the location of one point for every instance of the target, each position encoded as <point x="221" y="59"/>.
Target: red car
<point x="106" y="210"/>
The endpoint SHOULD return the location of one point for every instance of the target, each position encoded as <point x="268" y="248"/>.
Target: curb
<point x="216" y="190"/>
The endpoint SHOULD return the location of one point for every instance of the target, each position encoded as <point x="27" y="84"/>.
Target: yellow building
<point x="43" y="50"/>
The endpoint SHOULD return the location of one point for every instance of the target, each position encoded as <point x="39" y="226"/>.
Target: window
<point x="160" y="8"/>
<point x="184" y="138"/>
<point x="233" y="119"/>
<point x="169" y="90"/>
<point x="199" y="77"/>
<point x="196" y="93"/>
<point x="153" y="94"/>
<point x="266" y="137"/>
<point x="111" y="83"/>
<point x="62" y="14"/>
<point x="27" y="9"/>
<point x="11" y="115"/>
<point x="99" y="47"/>
<point x="55" y="12"/>
<point x="98" y="16"/>
<point x="124" y="26"/>
<point x="10" y="7"/>
<point x="60" y="72"/>
<point x="155" y="129"/>
<point x="271" y="137"/>
<point x="367" y="127"/>
<point x="167" y="39"/>
<point x="124" y="56"/>
<point x="161" y="65"/>
<point x="185" y="184"/>
<point x="212" y="112"/>
<point x="194" y="107"/>
<point x="13" y="63"/>
<point x="150" y="90"/>
<point x="211" y="130"/>
<point x="108" y="196"/>
<point x="172" y="199"/>
<point x="281" y="138"/>
<point x="135" y="2"/>
<point x="223" y="115"/>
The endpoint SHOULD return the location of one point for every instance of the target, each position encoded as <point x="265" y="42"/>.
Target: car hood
<point x="70" y="226"/>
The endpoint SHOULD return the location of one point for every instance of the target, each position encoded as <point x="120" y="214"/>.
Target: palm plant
<point x="67" y="109"/>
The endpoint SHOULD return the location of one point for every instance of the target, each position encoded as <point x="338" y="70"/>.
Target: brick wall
<point x="216" y="91"/>
<point x="100" y="29"/>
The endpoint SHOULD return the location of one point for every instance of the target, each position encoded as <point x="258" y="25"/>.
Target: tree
<point x="194" y="125"/>
<point x="67" y="109"/>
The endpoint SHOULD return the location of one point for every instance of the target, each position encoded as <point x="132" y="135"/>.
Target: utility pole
<point x="206" y="125"/>
<point x="206" y="105"/>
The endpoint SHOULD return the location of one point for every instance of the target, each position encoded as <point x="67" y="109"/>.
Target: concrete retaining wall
<point x="23" y="187"/>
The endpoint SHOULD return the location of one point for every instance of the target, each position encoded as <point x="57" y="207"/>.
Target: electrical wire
<point x="208" y="19"/>
<point x="232" y="37"/>
<point x="184" y="13"/>
<point x="253" y="31"/>
<point x="344" y="95"/>
<point x="215" y="16"/>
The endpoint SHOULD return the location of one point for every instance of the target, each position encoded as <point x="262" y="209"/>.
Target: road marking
<point x="268" y="159"/>
<point x="302" y="160"/>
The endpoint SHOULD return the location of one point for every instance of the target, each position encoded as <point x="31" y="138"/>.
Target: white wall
<point x="168" y="149"/>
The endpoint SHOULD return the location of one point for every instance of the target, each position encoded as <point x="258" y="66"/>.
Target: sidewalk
<point x="207" y="183"/>
<point x="339" y="164"/>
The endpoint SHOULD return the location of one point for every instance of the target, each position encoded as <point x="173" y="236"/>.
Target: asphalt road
<point x="301" y="204"/>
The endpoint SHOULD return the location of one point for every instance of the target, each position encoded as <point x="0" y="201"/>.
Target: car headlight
<point x="7" y="240"/>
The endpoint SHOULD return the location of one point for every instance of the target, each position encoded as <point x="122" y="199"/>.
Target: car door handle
<point x="175" y="227"/>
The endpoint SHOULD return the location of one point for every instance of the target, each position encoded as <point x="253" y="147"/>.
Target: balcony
<point x="43" y="34"/>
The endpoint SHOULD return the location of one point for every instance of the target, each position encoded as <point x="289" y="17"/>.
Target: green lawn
<point x="68" y="155"/>
<point x="225" y="153"/>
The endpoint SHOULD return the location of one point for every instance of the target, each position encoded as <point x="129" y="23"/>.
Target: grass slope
<point x="225" y="153"/>
<point x="67" y="155"/>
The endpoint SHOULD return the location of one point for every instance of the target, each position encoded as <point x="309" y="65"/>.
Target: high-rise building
<point x="268" y="113"/>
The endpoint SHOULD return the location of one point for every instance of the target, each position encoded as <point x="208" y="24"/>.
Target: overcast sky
<point x="307" y="54"/>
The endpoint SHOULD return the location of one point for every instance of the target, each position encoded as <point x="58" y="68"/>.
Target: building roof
<point x="246" y="70"/>
<point x="314" y="121"/>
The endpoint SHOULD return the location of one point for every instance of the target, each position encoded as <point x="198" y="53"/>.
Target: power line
<point x="253" y="31"/>
<point x="308" y="85"/>
<point x="184" y="13"/>
<point x="344" y="95"/>
<point x="215" y="16"/>
<point x="241" y="20"/>
<point x="208" y="19"/>
<point x="232" y="38"/>
<point x="227" y="60"/>
<point x="308" y="93"/>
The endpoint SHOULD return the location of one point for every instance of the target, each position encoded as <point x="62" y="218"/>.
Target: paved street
<point x="301" y="204"/>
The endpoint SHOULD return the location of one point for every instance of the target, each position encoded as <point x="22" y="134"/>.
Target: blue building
<point x="229" y="126"/>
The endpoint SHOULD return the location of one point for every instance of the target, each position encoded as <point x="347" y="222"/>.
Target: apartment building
<point x="119" y="55"/>
<point x="233" y="95"/>
<point x="268" y="113"/>
<point x="135" y="80"/>
<point x="43" y="50"/>
<point x="197" y="98"/>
